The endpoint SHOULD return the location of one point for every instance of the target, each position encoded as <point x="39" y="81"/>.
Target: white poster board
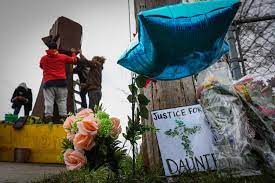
<point x="184" y="139"/>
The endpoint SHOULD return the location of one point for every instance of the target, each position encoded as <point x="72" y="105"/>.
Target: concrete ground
<point x="26" y="172"/>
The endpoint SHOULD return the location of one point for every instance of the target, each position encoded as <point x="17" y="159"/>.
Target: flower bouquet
<point x="228" y="122"/>
<point x="231" y="130"/>
<point x="257" y="97"/>
<point x="92" y="140"/>
<point x="261" y="110"/>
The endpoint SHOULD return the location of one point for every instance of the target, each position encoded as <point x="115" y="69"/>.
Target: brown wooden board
<point x="163" y="95"/>
<point x="69" y="32"/>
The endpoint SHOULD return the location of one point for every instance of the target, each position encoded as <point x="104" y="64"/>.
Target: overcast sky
<point x="105" y="33"/>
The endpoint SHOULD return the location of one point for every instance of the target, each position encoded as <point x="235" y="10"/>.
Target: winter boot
<point x="48" y="119"/>
<point x="62" y="119"/>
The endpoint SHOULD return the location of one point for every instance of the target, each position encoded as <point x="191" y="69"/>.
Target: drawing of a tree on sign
<point x="182" y="132"/>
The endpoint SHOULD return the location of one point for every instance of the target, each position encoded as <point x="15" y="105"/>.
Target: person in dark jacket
<point x="22" y="96"/>
<point x="94" y="79"/>
<point x="82" y="70"/>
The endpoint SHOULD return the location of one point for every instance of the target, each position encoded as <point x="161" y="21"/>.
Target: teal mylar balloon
<point x="180" y="40"/>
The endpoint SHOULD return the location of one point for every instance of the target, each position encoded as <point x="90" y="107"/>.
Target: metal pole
<point x="233" y="55"/>
<point x="254" y="19"/>
<point x="240" y="49"/>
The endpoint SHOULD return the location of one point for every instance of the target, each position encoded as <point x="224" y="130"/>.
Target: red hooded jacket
<point x="53" y="65"/>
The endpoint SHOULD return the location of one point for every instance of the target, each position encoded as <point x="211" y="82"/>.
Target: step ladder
<point x="76" y="93"/>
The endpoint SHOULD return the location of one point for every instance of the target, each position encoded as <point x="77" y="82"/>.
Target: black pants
<point x="83" y="94"/>
<point x="17" y="110"/>
<point x="94" y="98"/>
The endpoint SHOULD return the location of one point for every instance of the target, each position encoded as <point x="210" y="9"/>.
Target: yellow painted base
<point x="43" y="140"/>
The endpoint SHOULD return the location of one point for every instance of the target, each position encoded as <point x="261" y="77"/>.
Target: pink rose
<point x="74" y="159"/>
<point x="85" y="113"/>
<point x="90" y="118"/>
<point x="84" y="142"/>
<point x="116" y="127"/>
<point x="87" y="126"/>
<point x="68" y="123"/>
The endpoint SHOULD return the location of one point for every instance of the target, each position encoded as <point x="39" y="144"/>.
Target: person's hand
<point x="23" y="99"/>
<point x="15" y="99"/>
<point x="83" y="85"/>
<point x="73" y="50"/>
<point x="80" y="51"/>
<point x="20" y="98"/>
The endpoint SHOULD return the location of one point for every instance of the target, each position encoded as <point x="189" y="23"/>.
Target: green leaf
<point x="124" y="135"/>
<point x="133" y="89"/>
<point x="98" y="108"/>
<point x="70" y="114"/>
<point x="105" y="127"/>
<point x="130" y="121"/>
<point x="141" y="81"/>
<point x="102" y="115"/>
<point x="131" y="99"/>
<point x="137" y="118"/>
<point x="144" y="113"/>
<point x="66" y="144"/>
<point x="143" y="100"/>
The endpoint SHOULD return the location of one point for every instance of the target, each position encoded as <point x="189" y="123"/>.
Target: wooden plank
<point x="76" y="82"/>
<point x="163" y="95"/>
<point x="76" y="92"/>
<point x="77" y="102"/>
<point x="69" y="32"/>
<point x="38" y="109"/>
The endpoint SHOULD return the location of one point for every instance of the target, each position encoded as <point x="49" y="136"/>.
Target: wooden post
<point x="163" y="95"/>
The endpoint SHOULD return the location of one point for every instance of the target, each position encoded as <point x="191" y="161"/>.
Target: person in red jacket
<point x="53" y="65"/>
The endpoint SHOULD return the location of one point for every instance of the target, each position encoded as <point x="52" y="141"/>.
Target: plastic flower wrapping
<point x="257" y="95"/>
<point x="241" y="119"/>
<point x="87" y="131"/>
<point x="232" y="134"/>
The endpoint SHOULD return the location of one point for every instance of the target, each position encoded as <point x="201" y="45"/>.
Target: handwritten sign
<point x="185" y="140"/>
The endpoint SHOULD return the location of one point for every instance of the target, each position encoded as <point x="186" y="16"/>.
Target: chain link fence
<point x="255" y="35"/>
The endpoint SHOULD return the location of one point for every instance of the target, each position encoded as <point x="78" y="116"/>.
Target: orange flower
<point x="87" y="126"/>
<point x="74" y="159"/>
<point x="68" y="123"/>
<point x="84" y="142"/>
<point x="116" y="128"/>
<point x="90" y="118"/>
<point x="85" y="113"/>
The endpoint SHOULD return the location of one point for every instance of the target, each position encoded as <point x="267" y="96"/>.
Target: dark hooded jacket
<point x="82" y="70"/>
<point x="94" y="78"/>
<point x="25" y="92"/>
